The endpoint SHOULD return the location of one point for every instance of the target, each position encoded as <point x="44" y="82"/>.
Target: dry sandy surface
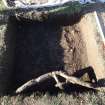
<point x="89" y="33"/>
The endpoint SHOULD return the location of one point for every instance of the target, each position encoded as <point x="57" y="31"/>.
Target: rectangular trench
<point x="42" y="47"/>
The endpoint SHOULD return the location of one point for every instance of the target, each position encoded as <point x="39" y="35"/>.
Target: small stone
<point x="71" y="50"/>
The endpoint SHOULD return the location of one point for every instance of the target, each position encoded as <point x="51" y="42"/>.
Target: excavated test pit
<point x="42" y="47"/>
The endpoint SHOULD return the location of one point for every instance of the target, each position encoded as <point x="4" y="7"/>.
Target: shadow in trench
<point x="37" y="50"/>
<point x="90" y="72"/>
